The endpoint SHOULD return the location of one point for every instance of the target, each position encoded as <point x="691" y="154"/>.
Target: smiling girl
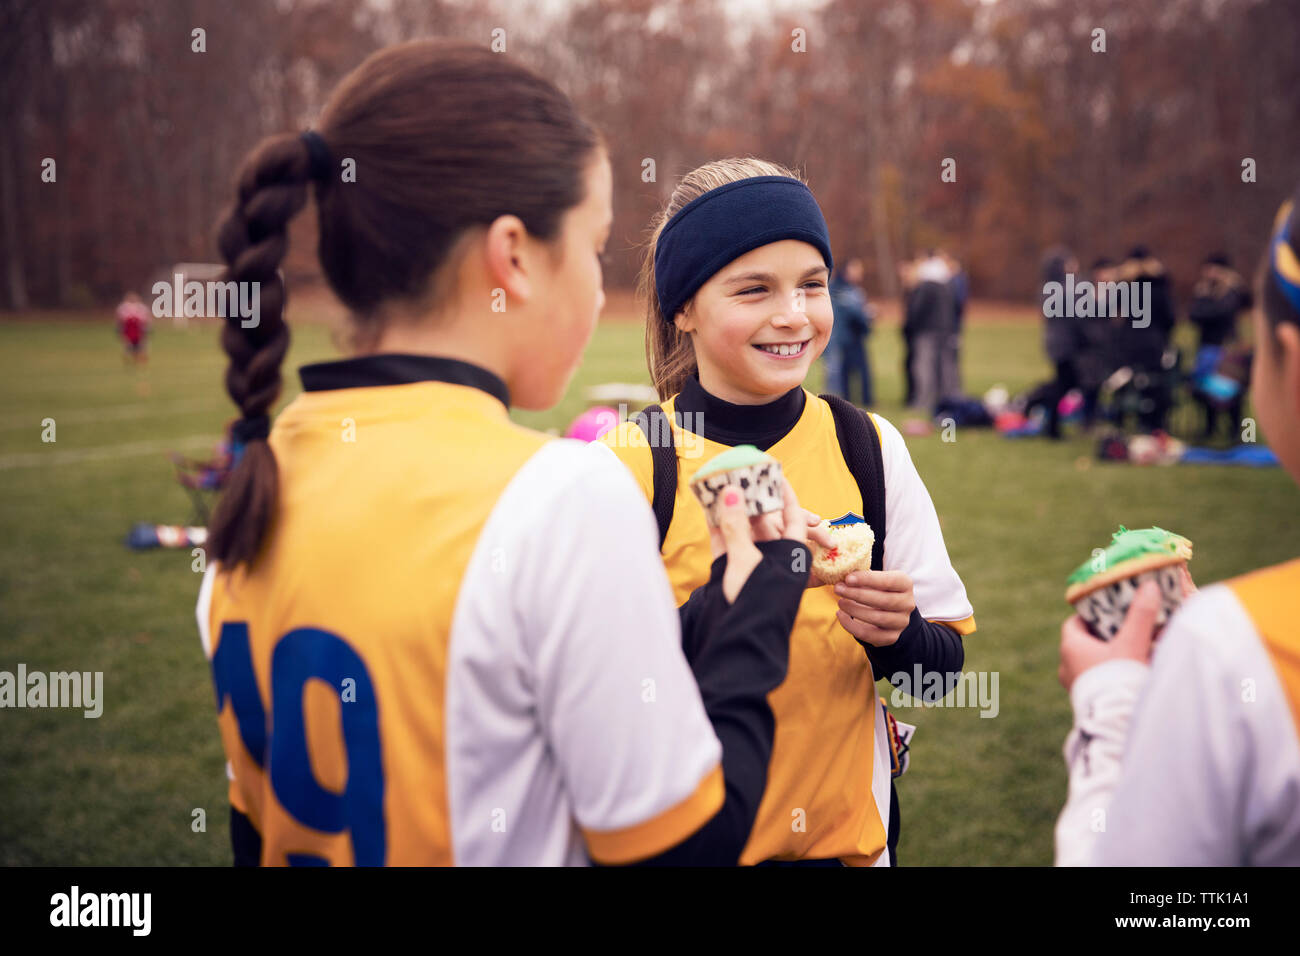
<point x="735" y="279"/>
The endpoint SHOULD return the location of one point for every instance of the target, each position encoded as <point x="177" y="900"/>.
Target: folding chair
<point x="202" y="478"/>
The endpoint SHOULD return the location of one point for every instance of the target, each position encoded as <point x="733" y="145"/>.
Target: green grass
<point x="1017" y="516"/>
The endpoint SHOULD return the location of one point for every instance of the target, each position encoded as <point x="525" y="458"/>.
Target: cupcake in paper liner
<point x="757" y="475"/>
<point x="1102" y="588"/>
<point x="850" y="552"/>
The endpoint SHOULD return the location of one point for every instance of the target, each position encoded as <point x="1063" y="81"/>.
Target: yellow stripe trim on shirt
<point x="1268" y="598"/>
<point x="663" y="831"/>
<point x="963" y="627"/>
<point x="871" y="417"/>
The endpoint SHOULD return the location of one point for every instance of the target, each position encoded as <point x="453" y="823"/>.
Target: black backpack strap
<point x="658" y="431"/>
<point x="860" y="445"/>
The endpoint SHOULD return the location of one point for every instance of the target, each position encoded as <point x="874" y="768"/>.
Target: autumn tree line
<point x="991" y="130"/>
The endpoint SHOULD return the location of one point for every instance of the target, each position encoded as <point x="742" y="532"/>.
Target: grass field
<point x="122" y="789"/>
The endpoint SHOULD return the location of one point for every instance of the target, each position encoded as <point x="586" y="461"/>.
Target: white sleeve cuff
<point x="1123" y="675"/>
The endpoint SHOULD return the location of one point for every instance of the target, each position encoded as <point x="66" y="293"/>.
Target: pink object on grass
<point x="592" y="423"/>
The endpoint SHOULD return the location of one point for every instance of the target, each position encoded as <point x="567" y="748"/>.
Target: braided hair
<point x="443" y="136"/>
<point x="253" y="239"/>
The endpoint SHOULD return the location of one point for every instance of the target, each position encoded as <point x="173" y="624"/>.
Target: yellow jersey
<point x="828" y="781"/>
<point x="433" y="659"/>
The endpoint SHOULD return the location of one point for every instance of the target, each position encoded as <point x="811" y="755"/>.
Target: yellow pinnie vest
<point x="819" y="802"/>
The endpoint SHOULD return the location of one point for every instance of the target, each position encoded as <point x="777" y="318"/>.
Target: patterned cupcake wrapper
<point x="1104" y="609"/>
<point x="760" y="484"/>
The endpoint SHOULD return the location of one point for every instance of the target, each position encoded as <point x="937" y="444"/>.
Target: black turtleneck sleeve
<point x="739" y="653"/>
<point x="936" y="648"/>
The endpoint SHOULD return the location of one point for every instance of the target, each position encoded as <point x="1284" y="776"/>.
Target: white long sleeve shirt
<point x="1193" y="761"/>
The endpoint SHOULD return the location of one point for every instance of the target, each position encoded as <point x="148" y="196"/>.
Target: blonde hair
<point x="670" y="354"/>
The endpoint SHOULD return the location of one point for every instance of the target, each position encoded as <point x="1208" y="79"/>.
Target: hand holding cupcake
<point x="744" y="482"/>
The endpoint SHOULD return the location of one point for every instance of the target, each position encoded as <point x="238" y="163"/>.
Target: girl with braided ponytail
<point x="422" y="649"/>
<point x="1190" y="755"/>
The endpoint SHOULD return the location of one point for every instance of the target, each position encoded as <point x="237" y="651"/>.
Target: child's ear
<point x="507" y="256"/>
<point x="685" y="319"/>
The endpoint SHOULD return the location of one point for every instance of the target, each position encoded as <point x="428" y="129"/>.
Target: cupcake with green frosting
<point x="1102" y="588"/>
<point x="757" y="474"/>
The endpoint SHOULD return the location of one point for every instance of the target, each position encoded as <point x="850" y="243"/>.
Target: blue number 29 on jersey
<point x="299" y="656"/>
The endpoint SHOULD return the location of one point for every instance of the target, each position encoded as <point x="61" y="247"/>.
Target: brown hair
<point x="445" y="135"/>
<point x="670" y="353"/>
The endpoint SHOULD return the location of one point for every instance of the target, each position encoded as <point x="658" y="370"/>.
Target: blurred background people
<point x="906" y="286"/>
<point x="1218" y="298"/>
<point x="133" y="328"/>
<point x="1141" y="344"/>
<point x="1142" y="266"/>
<point x="1062" y="335"/>
<point x="930" y="322"/>
<point x="1095" y="359"/>
<point x="960" y="293"/>
<point x="846" y="355"/>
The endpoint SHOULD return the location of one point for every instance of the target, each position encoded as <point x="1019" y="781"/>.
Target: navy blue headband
<point x="1282" y="258"/>
<point x="727" y="222"/>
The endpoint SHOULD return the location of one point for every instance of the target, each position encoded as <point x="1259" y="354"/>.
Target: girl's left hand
<point x="875" y="606"/>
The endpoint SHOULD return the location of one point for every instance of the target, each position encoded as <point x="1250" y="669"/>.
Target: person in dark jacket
<point x="1219" y="296"/>
<point x="907" y="286"/>
<point x="1062" y="335"/>
<point x="1141" y="343"/>
<point x="1145" y="341"/>
<point x="846" y="355"/>
<point x="931" y="321"/>
<point x="1095" y="360"/>
<point x="960" y="286"/>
